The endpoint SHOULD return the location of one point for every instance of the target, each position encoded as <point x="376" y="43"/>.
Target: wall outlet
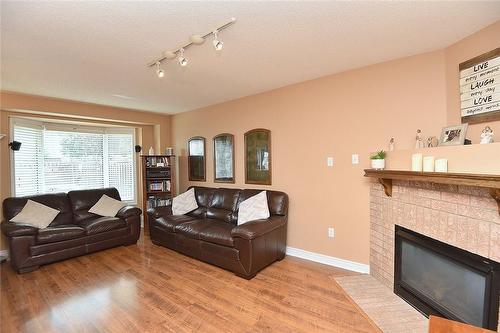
<point x="355" y="159"/>
<point x="331" y="232"/>
<point x="329" y="161"/>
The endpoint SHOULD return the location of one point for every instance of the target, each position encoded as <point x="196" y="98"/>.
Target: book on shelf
<point x="157" y="202"/>
<point x="156" y="162"/>
<point x="160" y="186"/>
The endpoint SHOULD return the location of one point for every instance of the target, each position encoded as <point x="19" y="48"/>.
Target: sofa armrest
<point x="257" y="228"/>
<point x="11" y="229"/>
<point x="128" y="211"/>
<point x="160" y="211"/>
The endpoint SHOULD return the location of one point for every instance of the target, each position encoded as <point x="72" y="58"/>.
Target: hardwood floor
<point x="147" y="288"/>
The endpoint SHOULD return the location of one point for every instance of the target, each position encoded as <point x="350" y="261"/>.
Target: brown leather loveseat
<point x="73" y="232"/>
<point x="211" y="234"/>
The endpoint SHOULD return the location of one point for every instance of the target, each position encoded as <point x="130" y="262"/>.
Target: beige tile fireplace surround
<point x="463" y="216"/>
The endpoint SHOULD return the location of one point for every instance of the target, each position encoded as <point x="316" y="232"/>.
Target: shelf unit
<point x="158" y="182"/>
<point x="385" y="177"/>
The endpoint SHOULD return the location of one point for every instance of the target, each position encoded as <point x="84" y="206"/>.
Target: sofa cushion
<point x="96" y="225"/>
<point x="107" y="206"/>
<point x="223" y="204"/>
<point x="82" y="201"/>
<point x="203" y="195"/>
<point x="169" y="222"/>
<point x="203" y="198"/>
<point x="277" y="201"/>
<point x="184" y="203"/>
<point x="218" y="233"/>
<point x="36" y="214"/>
<point x="253" y="208"/>
<point x="192" y="229"/>
<point x="59" y="201"/>
<point x="59" y="233"/>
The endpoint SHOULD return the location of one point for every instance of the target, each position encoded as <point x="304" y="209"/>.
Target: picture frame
<point x="258" y="167"/>
<point x="479" y="88"/>
<point x="224" y="158"/>
<point x="453" y="135"/>
<point x="197" y="159"/>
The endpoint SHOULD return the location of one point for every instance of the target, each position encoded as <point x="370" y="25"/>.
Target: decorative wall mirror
<point x="224" y="158"/>
<point x="196" y="159"/>
<point x="258" y="157"/>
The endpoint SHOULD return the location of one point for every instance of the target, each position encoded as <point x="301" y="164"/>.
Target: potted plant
<point x="378" y="160"/>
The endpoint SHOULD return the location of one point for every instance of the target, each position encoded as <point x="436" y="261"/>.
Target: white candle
<point x="429" y="164"/>
<point x="441" y="165"/>
<point x="416" y="162"/>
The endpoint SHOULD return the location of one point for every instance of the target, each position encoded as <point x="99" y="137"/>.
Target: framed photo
<point x="453" y="135"/>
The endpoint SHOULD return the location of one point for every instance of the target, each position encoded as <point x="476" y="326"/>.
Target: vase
<point x="378" y="164"/>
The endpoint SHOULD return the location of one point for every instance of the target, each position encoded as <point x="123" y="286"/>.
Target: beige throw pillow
<point x="253" y="208"/>
<point x="184" y="203"/>
<point x="107" y="206"/>
<point x="36" y="214"/>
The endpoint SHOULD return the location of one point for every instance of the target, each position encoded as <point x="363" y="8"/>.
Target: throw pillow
<point x="253" y="208"/>
<point x="107" y="206"/>
<point x="36" y="214"/>
<point x="184" y="203"/>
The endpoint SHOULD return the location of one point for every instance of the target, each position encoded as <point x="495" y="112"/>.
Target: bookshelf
<point x="158" y="179"/>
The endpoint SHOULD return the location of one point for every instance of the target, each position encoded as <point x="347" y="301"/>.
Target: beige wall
<point x="338" y="115"/>
<point x="153" y="130"/>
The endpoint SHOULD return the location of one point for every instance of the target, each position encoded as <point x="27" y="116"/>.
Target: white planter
<point x="378" y="164"/>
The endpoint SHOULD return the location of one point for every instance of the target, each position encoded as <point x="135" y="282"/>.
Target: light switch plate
<point x="355" y="159"/>
<point x="331" y="232"/>
<point x="329" y="161"/>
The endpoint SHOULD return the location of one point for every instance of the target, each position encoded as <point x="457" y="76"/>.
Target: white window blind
<point x="61" y="158"/>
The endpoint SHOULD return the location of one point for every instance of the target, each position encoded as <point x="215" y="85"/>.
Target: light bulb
<point x="216" y="42"/>
<point x="182" y="61"/>
<point x="159" y="71"/>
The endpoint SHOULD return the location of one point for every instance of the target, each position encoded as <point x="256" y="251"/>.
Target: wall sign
<point x="480" y="88"/>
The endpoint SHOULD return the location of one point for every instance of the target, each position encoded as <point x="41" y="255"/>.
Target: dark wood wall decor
<point x="197" y="159"/>
<point x="480" y="88"/>
<point x="385" y="177"/>
<point x="258" y="168"/>
<point x="224" y="158"/>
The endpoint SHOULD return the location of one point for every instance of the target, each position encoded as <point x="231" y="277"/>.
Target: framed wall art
<point x="258" y="157"/>
<point x="480" y="88"/>
<point x="224" y="158"/>
<point x="196" y="159"/>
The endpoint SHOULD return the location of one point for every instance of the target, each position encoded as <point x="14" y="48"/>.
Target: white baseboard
<point x="327" y="260"/>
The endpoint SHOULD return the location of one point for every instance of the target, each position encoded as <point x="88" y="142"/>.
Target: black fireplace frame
<point x="484" y="266"/>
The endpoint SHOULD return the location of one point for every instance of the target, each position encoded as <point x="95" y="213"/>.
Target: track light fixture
<point x="198" y="39"/>
<point x="159" y="71"/>
<point x="182" y="60"/>
<point x="216" y="42"/>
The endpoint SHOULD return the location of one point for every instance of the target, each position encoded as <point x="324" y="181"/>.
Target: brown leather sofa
<point x="211" y="234"/>
<point x="73" y="232"/>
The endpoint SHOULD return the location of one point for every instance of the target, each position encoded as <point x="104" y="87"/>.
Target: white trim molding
<point x="327" y="260"/>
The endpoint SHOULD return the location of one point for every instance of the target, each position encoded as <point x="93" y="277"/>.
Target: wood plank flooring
<point x="147" y="288"/>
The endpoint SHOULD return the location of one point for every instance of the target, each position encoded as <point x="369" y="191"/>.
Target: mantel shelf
<point x="385" y="178"/>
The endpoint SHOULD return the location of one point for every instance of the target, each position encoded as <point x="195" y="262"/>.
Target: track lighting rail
<point x="194" y="40"/>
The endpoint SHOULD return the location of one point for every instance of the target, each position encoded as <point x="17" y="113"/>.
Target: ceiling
<point x="97" y="51"/>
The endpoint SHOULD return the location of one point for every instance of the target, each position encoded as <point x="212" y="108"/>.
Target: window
<point x="61" y="158"/>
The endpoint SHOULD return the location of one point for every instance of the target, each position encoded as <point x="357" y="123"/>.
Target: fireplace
<point x="440" y="279"/>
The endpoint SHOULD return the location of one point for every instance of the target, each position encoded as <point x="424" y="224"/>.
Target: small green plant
<point x="380" y="155"/>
